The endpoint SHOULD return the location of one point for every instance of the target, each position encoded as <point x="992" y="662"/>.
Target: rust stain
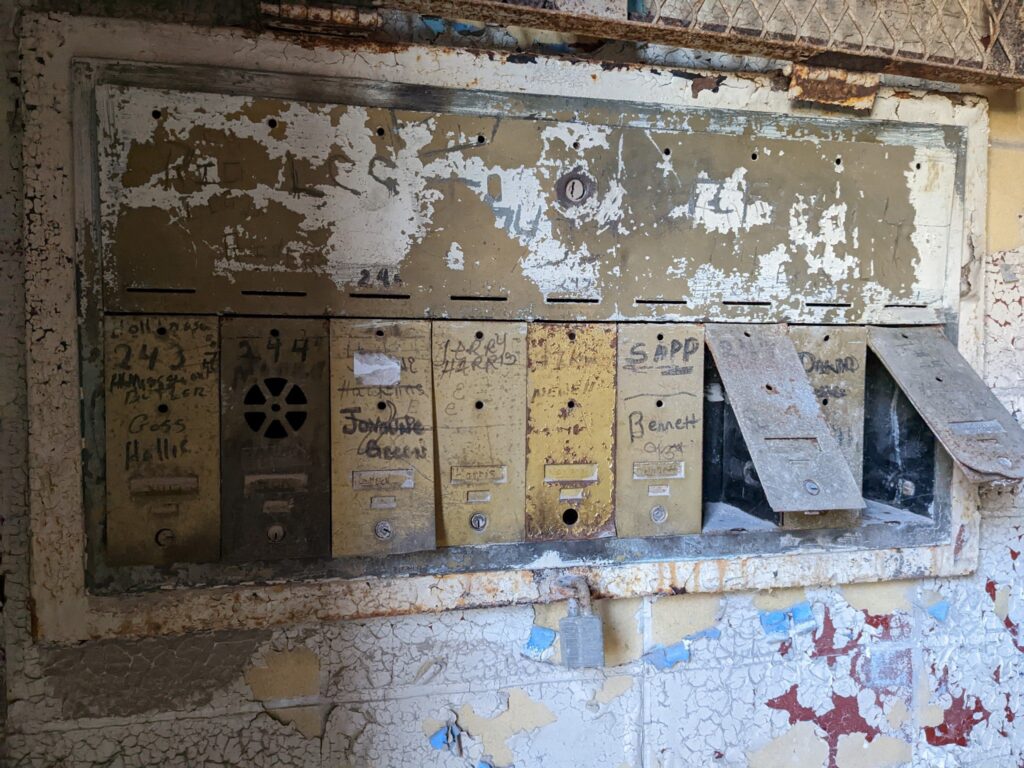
<point x="835" y="87"/>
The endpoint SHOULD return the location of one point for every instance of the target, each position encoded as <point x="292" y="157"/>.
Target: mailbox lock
<point x="659" y="514"/>
<point x="164" y="537"/>
<point x="812" y="487"/>
<point x="276" y="533"/>
<point x="478" y="521"/>
<point x="574" y="188"/>
<point x="382" y="530"/>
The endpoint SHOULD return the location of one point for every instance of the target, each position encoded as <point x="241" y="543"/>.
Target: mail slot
<point x="274" y="399"/>
<point x="162" y="434"/>
<point x="570" y="431"/>
<point x="382" y="435"/>
<point x="480" y="397"/>
<point x="659" y="429"/>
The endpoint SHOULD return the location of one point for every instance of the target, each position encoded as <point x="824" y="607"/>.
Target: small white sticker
<point x="376" y="369"/>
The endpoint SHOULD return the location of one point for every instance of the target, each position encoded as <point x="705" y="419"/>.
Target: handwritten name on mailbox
<point x="570" y="431"/>
<point x="162" y="424"/>
<point x="659" y="440"/>
<point x="382" y="437"/>
<point x="480" y="396"/>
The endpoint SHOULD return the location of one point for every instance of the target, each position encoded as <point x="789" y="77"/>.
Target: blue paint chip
<point x="540" y="642"/>
<point x="940" y="611"/>
<point x="484" y="764"/>
<point x="434" y="24"/>
<point x="468" y="28"/>
<point x="636" y="8"/>
<point x="796" y="619"/>
<point x="775" y="622"/>
<point x="445" y="737"/>
<point x="440" y="738"/>
<point x="712" y="633"/>
<point x="665" y="657"/>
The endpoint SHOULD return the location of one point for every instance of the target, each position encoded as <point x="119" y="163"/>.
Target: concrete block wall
<point x="915" y="673"/>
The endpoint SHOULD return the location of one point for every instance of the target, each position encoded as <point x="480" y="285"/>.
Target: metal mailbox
<point x="570" y="431"/>
<point x="382" y="428"/>
<point x="275" y="438"/>
<point x="833" y="357"/>
<point x="973" y="426"/>
<point x="162" y="468"/>
<point x="797" y="460"/>
<point x="480" y="400"/>
<point x="659" y="429"/>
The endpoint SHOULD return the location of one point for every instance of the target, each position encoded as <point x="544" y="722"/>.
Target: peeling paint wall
<point x="922" y="673"/>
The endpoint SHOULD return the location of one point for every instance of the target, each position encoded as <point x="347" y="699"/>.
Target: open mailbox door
<point x="796" y="457"/>
<point x="981" y="436"/>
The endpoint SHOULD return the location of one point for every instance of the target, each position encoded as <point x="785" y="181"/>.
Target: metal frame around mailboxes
<point x="102" y="579"/>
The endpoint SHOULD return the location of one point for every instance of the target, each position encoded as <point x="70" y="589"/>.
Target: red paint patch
<point x="1014" y="554"/>
<point x="825" y="641"/>
<point x="1011" y="626"/>
<point x="957" y="723"/>
<point x="961" y="539"/>
<point x="785" y="647"/>
<point x="844" y="718"/>
<point x="890" y="626"/>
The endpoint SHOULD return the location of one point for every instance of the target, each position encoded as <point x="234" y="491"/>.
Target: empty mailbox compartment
<point x="570" y="431"/>
<point x="480" y="400"/>
<point x="162" y="468"/>
<point x="978" y="433"/>
<point x="659" y="429"/>
<point x="382" y="437"/>
<point x="275" y="437"/>
<point x="768" y="449"/>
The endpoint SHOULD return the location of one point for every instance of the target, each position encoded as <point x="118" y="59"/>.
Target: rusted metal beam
<point x="981" y="42"/>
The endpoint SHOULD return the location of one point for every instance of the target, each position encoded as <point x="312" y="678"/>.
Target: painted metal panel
<point x="480" y="401"/>
<point x="570" y="441"/>
<point x="274" y="205"/>
<point x="967" y="418"/>
<point x="659" y="429"/>
<point x="162" y="435"/>
<point x="275" y="438"/>
<point x="798" y="461"/>
<point x="382" y="437"/>
<point x="833" y="358"/>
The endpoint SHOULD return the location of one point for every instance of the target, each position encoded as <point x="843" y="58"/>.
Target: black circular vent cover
<point x="276" y="408"/>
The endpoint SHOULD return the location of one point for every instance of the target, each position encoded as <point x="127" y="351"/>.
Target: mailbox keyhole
<point x="570" y="517"/>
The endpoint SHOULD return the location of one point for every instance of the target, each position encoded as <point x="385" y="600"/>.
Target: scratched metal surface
<point x="382" y="441"/>
<point x="833" y="359"/>
<point x="393" y="201"/>
<point x="659" y="429"/>
<point x="570" y="431"/>
<point x="798" y="461"/>
<point x="967" y="418"/>
<point x="163" y="438"/>
<point x="480" y="402"/>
